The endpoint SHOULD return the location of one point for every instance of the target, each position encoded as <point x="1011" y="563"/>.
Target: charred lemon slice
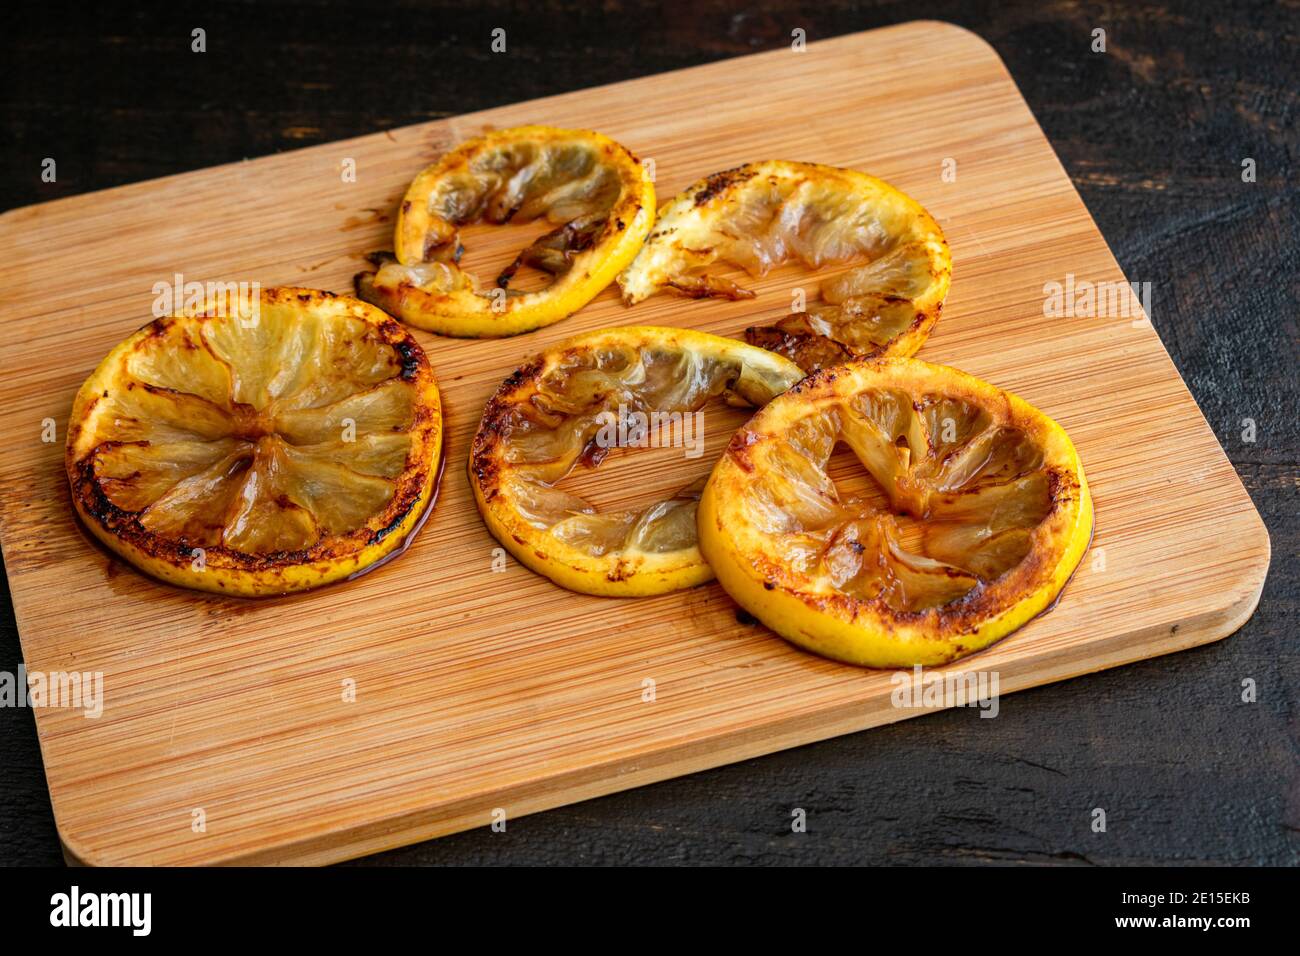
<point x="975" y="514"/>
<point x="593" y="191"/>
<point x="550" y="415"/>
<point x="260" y="446"/>
<point x="765" y="214"/>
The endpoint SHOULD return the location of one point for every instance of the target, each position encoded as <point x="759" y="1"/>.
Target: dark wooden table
<point x="1153" y="132"/>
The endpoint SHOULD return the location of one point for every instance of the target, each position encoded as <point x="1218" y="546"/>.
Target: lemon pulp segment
<point x="260" y="452"/>
<point x="548" y="418"/>
<point x="765" y="214"/>
<point x="593" y="191"/>
<point x="976" y="513"/>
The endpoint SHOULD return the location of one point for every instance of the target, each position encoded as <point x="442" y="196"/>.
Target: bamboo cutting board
<point x="479" y="686"/>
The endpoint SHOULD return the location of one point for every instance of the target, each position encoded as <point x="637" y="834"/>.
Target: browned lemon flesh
<point x="766" y="214"/>
<point x="257" y="453"/>
<point x="556" y="414"/>
<point x="593" y="192"/>
<point x="975" y="512"/>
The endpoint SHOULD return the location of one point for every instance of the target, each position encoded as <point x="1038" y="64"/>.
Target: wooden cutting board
<point x="481" y="691"/>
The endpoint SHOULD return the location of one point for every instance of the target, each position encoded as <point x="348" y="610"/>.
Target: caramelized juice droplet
<point x="402" y="548"/>
<point x="1057" y="600"/>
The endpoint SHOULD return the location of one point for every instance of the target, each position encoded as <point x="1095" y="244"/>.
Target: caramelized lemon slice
<point x="257" y="451"/>
<point x="765" y="214"/>
<point x="550" y="415"/>
<point x="593" y="191"/>
<point x="979" y="515"/>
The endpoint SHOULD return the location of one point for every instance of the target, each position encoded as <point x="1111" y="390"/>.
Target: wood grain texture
<point x="479" y="690"/>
